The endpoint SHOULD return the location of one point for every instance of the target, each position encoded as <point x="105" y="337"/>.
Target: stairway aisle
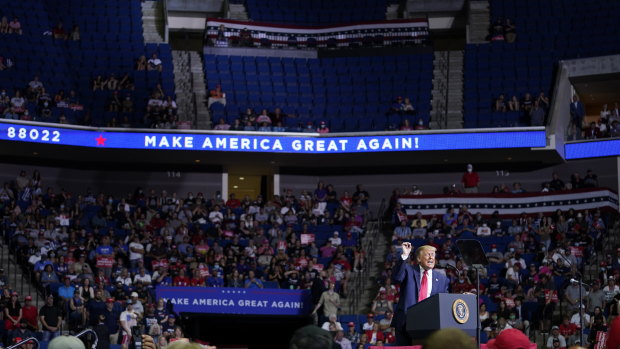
<point x="447" y="93"/>
<point x="183" y="87"/>
<point x="363" y="285"/>
<point x="479" y="21"/>
<point x="237" y="11"/>
<point x="190" y="89"/>
<point x="152" y="21"/>
<point x="199" y="91"/>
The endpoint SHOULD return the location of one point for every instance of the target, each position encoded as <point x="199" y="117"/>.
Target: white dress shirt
<point x="429" y="277"/>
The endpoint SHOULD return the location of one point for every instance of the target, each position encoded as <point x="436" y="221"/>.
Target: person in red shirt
<point x="30" y="314"/>
<point x="567" y="328"/>
<point x="390" y="337"/>
<point x="470" y="180"/>
<point x="375" y="334"/>
<point x="181" y="280"/>
<point x="197" y="280"/>
<point x="462" y="285"/>
<point x="233" y="202"/>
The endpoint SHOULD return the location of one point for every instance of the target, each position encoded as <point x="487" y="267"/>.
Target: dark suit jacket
<point x="577" y="112"/>
<point x="409" y="278"/>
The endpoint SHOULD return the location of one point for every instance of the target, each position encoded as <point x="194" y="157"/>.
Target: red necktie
<point x="423" y="287"/>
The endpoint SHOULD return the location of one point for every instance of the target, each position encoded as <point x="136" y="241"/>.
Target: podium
<point x="443" y="310"/>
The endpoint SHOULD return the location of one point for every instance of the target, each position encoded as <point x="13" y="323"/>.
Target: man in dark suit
<point x="577" y="112"/>
<point x="417" y="282"/>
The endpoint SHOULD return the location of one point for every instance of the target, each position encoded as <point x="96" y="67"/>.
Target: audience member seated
<point x="141" y="63"/>
<point x="497" y="31"/>
<point x="58" y="32"/>
<point x="322" y="128"/>
<point x="245" y="38"/>
<point x="4" y="25"/>
<point x="154" y="63"/>
<point x="15" y="26"/>
<point x="216" y="96"/>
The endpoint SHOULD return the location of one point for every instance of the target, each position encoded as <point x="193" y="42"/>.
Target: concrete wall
<point x="195" y="5"/>
<point x="560" y="109"/>
<point x="593" y="65"/>
<point x="118" y="182"/>
<point x="425" y="6"/>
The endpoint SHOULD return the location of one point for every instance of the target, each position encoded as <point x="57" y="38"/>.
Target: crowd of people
<point x="402" y="107"/>
<point x="94" y="254"/>
<point x="250" y="121"/>
<point x="470" y="184"/>
<point x="266" y="121"/>
<point x="607" y="125"/>
<point x="34" y="102"/>
<point x="13" y="26"/>
<point x="533" y="110"/>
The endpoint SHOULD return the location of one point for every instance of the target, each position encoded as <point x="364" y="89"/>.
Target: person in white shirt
<point x="35" y="258"/>
<point x="136" y="304"/>
<point x="169" y="104"/>
<point x="611" y="290"/>
<point x="342" y="340"/>
<point x="128" y="319"/>
<point x="154" y="63"/>
<point x="555" y="334"/>
<point x="332" y="320"/>
<point x="575" y="319"/>
<point x="136" y="251"/>
<point x="370" y="322"/>
<point x="336" y="240"/>
<point x="216" y="216"/>
<point x="513" y="275"/>
<point x="143" y="277"/>
<point x="483" y="230"/>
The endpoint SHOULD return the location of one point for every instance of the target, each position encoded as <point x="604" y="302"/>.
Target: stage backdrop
<point x="237" y="300"/>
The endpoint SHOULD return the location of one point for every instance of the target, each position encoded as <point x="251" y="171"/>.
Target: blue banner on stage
<point x="237" y="300"/>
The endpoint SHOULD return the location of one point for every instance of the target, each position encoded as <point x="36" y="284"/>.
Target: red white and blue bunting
<point x="407" y="30"/>
<point x="512" y="204"/>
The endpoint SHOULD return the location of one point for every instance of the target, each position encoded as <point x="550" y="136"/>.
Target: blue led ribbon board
<point x="247" y="142"/>
<point x="592" y="149"/>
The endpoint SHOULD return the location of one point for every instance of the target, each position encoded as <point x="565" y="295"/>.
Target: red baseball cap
<point x="510" y="339"/>
<point x="351" y="324"/>
<point x="109" y="300"/>
<point x="28" y="298"/>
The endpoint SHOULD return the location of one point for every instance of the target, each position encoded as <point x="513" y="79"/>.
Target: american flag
<point x="601" y="340"/>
